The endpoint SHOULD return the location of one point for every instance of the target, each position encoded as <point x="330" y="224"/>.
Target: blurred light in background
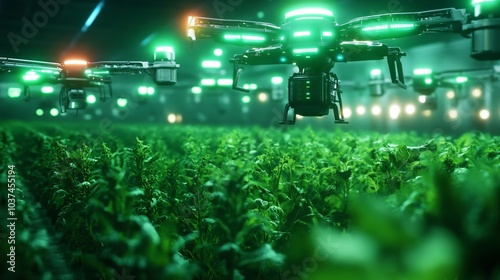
<point x="14" y="92"/>
<point x="143" y="90"/>
<point x="178" y="118"/>
<point x="121" y="102"/>
<point x="224" y="82"/>
<point x="91" y="99"/>
<point x="245" y="99"/>
<point x="422" y="99"/>
<point x="54" y="112"/>
<point x="410" y="109"/>
<point x="31" y="76"/>
<point x="450" y="94"/>
<point x="347" y="112"/>
<point x="171" y="118"/>
<point x="218" y="52"/>
<point x="47" y="89"/>
<point x="299" y="117"/>
<point x="484" y="114"/>
<point x="207" y="82"/>
<point x="196" y="90"/>
<point x="394" y="111"/>
<point x="427" y="113"/>
<point x="262" y="97"/>
<point x="250" y="86"/>
<point x="453" y="114"/>
<point x="360" y="110"/>
<point x="39" y="112"/>
<point x="476" y="92"/>
<point x="461" y="79"/>
<point x="276" y="80"/>
<point x="210" y="64"/>
<point x="376" y="110"/>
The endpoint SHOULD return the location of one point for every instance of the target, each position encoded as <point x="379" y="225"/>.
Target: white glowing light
<point x="262" y="97"/>
<point x="410" y="109"/>
<point x="394" y="111"/>
<point x="450" y="94"/>
<point x="376" y="110"/>
<point x="347" y="113"/>
<point x="476" y="92"/>
<point x="91" y="99"/>
<point x="453" y="114"/>
<point x="484" y="114"/>
<point x="360" y="110"/>
<point x="54" y="112"/>
<point x="171" y="118"/>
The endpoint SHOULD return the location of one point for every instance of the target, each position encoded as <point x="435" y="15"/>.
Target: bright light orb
<point x="453" y="114"/>
<point x="171" y="118"/>
<point x="410" y="109"/>
<point x="262" y="97"/>
<point x="484" y="114"/>
<point x="360" y="110"/>
<point x="347" y="112"/>
<point x="394" y="111"/>
<point x="376" y="110"/>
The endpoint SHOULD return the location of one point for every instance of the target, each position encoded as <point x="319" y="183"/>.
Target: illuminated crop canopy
<point x="309" y="12"/>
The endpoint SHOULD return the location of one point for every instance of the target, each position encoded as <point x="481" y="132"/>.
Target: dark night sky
<point x="122" y="25"/>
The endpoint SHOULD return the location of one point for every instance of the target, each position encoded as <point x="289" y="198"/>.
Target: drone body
<point x="311" y="39"/>
<point x="76" y="76"/>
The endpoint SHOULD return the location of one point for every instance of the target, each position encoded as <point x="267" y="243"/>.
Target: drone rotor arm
<point x="233" y="32"/>
<point x="397" y="25"/>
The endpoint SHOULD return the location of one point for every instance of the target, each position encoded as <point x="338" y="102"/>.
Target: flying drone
<point x="76" y="75"/>
<point x="311" y="39"/>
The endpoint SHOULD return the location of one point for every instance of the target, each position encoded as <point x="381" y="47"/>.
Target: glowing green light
<point x="276" y="80"/>
<point x="14" y="92"/>
<point x="305" y="50"/>
<point x="210" y="64"/>
<point x="376" y="27"/>
<point x="142" y="90"/>
<point x="31" y="76"/>
<point x="327" y="33"/>
<point x="301" y="33"/>
<point x="461" y="79"/>
<point x="91" y="99"/>
<point x="218" y="52"/>
<point x="224" y="82"/>
<point x="253" y="86"/>
<point x="87" y="71"/>
<point x="122" y="102"/>
<point x="477" y="2"/>
<point x="39" y="112"/>
<point x="422" y="71"/>
<point x="252" y="38"/>
<point x="428" y="81"/>
<point x="196" y="90"/>
<point x="401" y="25"/>
<point x="54" y="112"/>
<point x="389" y="26"/>
<point x="47" y="89"/>
<point x="375" y="72"/>
<point x="309" y="11"/>
<point x="150" y="90"/>
<point x="207" y="82"/>
<point x="245" y="99"/>
<point x="164" y="49"/>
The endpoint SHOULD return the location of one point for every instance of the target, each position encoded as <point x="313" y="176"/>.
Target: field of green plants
<point x="199" y="202"/>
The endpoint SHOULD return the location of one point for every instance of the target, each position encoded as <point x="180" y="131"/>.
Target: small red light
<point x="75" y="62"/>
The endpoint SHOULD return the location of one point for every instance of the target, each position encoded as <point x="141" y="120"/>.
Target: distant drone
<point x="78" y="75"/>
<point x="311" y="39"/>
